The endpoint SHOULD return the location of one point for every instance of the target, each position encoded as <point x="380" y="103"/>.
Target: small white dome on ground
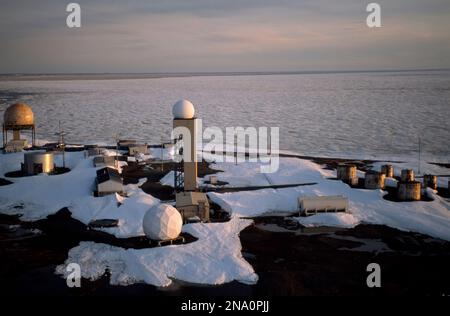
<point x="183" y="109"/>
<point x="162" y="222"/>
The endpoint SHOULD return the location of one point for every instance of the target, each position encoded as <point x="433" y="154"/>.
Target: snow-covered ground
<point x="365" y="206"/>
<point x="215" y="257"/>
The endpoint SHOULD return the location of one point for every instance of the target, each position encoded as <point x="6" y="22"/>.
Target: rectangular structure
<point x="138" y="149"/>
<point x="108" y="181"/>
<point x="105" y="161"/>
<point x="190" y="167"/>
<point x="322" y="204"/>
<point x="193" y="204"/>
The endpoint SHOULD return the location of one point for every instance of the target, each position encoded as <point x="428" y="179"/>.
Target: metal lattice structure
<point x="178" y="168"/>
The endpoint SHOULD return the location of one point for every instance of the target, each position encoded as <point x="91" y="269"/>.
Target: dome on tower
<point x="183" y="109"/>
<point x="18" y="114"/>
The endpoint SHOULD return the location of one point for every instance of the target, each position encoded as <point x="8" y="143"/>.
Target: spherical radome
<point x="18" y="114"/>
<point x="162" y="222"/>
<point x="183" y="109"/>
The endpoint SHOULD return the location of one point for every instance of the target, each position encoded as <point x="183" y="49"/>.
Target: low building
<point x="14" y="146"/>
<point x="105" y="161"/>
<point x="96" y="151"/>
<point x="108" y="181"/>
<point x="124" y="144"/>
<point x="138" y="149"/>
<point x="193" y="205"/>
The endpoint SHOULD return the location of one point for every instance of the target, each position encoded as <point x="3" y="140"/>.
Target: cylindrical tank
<point x="213" y="179"/>
<point x="347" y="173"/>
<point x="374" y="180"/>
<point x="407" y="175"/>
<point x="388" y="170"/>
<point x="409" y="191"/>
<point x="430" y="181"/>
<point x="38" y="162"/>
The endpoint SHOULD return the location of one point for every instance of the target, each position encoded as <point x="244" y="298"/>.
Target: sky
<point x="222" y="36"/>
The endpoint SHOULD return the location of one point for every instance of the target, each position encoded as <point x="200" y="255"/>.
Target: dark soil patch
<point x="20" y="173"/>
<point x="443" y="165"/>
<point x="62" y="225"/>
<point x="290" y="264"/>
<point x="4" y="182"/>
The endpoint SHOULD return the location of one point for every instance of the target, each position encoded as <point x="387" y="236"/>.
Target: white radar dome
<point x="162" y="222"/>
<point x="183" y="109"/>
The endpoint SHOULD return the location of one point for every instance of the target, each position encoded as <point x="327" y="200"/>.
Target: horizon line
<point x="156" y="75"/>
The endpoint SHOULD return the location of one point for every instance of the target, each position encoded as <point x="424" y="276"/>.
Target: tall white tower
<point x="184" y="116"/>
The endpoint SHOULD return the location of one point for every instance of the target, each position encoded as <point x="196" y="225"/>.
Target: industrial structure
<point x="374" y="180"/>
<point x="18" y="117"/>
<point x="193" y="206"/>
<point x="322" y="204"/>
<point x="407" y="188"/>
<point x="108" y="181"/>
<point x="124" y="144"/>
<point x="37" y="162"/>
<point x="347" y="173"/>
<point x="104" y="161"/>
<point x="183" y="119"/>
<point x="407" y="175"/>
<point x="430" y="181"/>
<point x="190" y="203"/>
<point x="136" y="149"/>
<point x="95" y="151"/>
<point x="388" y="170"/>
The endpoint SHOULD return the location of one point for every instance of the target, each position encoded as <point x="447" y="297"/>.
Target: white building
<point x="108" y="181"/>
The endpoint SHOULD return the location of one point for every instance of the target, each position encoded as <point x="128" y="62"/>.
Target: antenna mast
<point x="62" y="144"/>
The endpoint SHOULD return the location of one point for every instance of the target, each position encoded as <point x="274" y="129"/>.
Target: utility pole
<point x="116" y="159"/>
<point x="62" y="144"/>
<point x="420" y="149"/>
<point x="162" y="155"/>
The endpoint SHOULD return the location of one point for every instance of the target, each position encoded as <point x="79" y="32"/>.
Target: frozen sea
<point x="366" y="115"/>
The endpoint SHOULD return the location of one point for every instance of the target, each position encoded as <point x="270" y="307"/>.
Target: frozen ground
<point x="215" y="257"/>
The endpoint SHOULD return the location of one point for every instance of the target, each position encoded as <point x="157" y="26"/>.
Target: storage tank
<point x="38" y="162"/>
<point x="407" y="175"/>
<point x="430" y="181"/>
<point x="409" y="191"/>
<point x="374" y="180"/>
<point x="347" y="173"/>
<point x="388" y="170"/>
